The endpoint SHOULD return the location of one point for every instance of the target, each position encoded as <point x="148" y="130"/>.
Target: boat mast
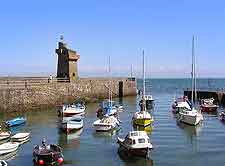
<point x="195" y="79"/>
<point x="143" y="70"/>
<point x="192" y="73"/>
<point x="110" y="92"/>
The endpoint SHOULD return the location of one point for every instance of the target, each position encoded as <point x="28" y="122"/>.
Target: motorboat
<point x="106" y="123"/>
<point x="3" y="163"/>
<point x="136" y="143"/>
<point x="72" y="123"/>
<point x="47" y="154"/>
<point x="15" y="122"/>
<point x="191" y="117"/>
<point x="73" y="109"/>
<point x="8" y="147"/>
<point x="207" y="105"/>
<point x="107" y="108"/>
<point x="4" y="135"/>
<point x="20" y="137"/>
<point x="181" y="104"/>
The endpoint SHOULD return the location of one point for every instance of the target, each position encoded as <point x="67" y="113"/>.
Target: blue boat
<point x="16" y="121"/>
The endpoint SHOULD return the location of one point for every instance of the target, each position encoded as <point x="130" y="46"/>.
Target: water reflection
<point x="133" y="160"/>
<point x="70" y="140"/>
<point x="9" y="156"/>
<point x="106" y="134"/>
<point x="190" y="130"/>
<point x="147" y="129"/>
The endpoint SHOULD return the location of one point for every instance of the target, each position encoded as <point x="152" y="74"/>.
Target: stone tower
<point x="67" y="62"/>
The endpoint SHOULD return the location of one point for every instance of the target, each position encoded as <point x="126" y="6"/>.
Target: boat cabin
<point x="137" y="137"/>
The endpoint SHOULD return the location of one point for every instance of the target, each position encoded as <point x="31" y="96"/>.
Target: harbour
<point x="174" y="143"/>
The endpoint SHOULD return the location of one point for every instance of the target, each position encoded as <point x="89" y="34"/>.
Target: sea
<point x="175" y="144"/>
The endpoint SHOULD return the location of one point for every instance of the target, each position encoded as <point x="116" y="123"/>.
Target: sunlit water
<point x="174" y="144"/>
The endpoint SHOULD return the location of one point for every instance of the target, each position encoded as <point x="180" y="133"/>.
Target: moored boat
<point x="181" y="104"/>
<point x="107" y="108"/>
<point x="4" y="135"/>
<point x="8" y="147"/>
<point x="207" y="105"/>
<point x="16" y="122"/>
<point x="47" y="154"/>
<point x="106" y="124"/>
<point x="191" y="117"/>
<point x="20" y="137"/>
<point x="73" y="109"/>
<point x="136" y="143"/>
<point x="72" y="123"/>
<point x="142" y="117"/>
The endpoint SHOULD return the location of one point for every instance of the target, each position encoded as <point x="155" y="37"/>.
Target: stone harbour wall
<point x="53" y="93"/>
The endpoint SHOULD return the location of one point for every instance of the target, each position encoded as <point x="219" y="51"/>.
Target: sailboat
<point x="191" y="116"/>
<point x="142" y="117"/>
<point x="107" y="121"/>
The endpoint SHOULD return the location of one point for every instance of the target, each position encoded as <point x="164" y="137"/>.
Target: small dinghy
<point x="16" y="121"/>
<point x="3" y="163"/>
<point x="20" y="137"/>
<point x="47" y="154"/>
<point x="4" y="135"/>
<point x="8" y="147"/>
<point x="136" y="143"/>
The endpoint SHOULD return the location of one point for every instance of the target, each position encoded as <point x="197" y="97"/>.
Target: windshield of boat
<point x="141" y="140"/>
<point x="76" y="120"/>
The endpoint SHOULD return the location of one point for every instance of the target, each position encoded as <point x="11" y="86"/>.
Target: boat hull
<point x="209" y="108"/>
<point x="104" y="128"/>
<point x="69" y="127"/>
<point x="142" y="122"/>
<point x="190" y="120"/>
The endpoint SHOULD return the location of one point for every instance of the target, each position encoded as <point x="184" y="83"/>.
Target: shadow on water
<point x="133" y="160"/>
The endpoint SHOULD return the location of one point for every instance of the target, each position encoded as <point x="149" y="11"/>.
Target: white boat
<point x="142" y="117"/>
<point x="106" y="123"/>
<point x="8" y="147"/>
<point x="136" y="143"/>
<point x="191" y="116"/>
<point x="181" y="104"/>
<point x="72" y="123"/>
<point x="4" y="135"/>
<point x="3" y="163"/>
<point x="74" y="109"/>
<point x="20" y="137"/>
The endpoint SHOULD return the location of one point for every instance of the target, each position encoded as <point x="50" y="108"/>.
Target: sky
<point x="97" y="29"/>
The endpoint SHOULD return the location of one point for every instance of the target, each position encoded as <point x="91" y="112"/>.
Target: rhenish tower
<point x="67" y="61"/>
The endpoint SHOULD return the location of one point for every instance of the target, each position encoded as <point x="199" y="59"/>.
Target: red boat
<point x="207" y="105"/>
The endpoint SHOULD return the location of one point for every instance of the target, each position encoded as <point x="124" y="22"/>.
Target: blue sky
<point x="120" y="29"/>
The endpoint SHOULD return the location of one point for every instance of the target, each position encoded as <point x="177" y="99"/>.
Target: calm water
<point x="174" y="144"/>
